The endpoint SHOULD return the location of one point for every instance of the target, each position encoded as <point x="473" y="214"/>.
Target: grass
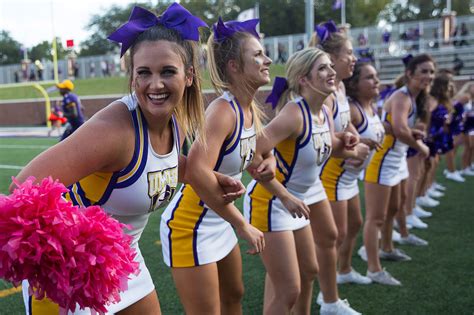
<point x="439" y="280"/>
<point x="97" y="86"/>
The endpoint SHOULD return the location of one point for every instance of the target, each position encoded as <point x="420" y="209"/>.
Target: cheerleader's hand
<point x="295" y="206"/>
<point x="362" y="151"/>
<point x="350" y="140"/>
<point x="418" y="134"/>
<point x="253" y="237"/>
<point x="233" y="189"/>
<point x="266" y="170"/>
<point x="373" y="145"/>
<point x="423" y="149"/>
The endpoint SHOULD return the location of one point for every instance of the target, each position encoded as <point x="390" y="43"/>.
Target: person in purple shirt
<point x="71" y="107"/>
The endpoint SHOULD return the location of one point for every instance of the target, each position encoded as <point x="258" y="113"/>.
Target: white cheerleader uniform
<point x="341" y="112"/>
<point x="298" y="164"/>
<point x="129" y="195"/>
<point x="339" y="177"/>
<point x="388" y="166"/>
<point x="192" y="234"/>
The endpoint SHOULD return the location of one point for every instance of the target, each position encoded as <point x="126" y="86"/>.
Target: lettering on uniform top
<point x="247" y="151"/>
<point x="345" y="119"/>
<point x="379" y="131"/>
<point x="161" y="186"/>
<point x="322" y="145"/>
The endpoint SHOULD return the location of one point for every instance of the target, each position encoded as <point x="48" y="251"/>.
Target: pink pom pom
<point x="71" y="255"/>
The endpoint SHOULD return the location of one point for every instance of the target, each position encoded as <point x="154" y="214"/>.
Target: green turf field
<point x="439" y="280"/>
<point x="99" y="86"/>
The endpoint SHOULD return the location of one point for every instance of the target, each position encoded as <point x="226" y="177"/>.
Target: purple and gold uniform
<point x="192" y="234"/>
<point x="129" y="195"/>
<point x="339" y="177"/>
<point x="298" y="164"/>
<point x="388" y="166"/>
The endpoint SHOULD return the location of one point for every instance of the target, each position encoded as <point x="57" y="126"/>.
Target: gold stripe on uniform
<point x="182" y="226"/>
<point x="375" y="166"/>
<point x="330" y="176"/>
<point x="43" y="307"/>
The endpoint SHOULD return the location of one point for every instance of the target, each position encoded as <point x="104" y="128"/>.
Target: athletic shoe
<point x="416" y="222"/>
<point x="352" y="277"/>
<point x="421" y="213"/>
<point x="362" y="253"/>
<point x="433" y="193"/>
<point x="438" y="186"/>
<point x="395" y="236"/>
<point x="426" y="201"/>
<point x="383" y="277"/>
<point x="467" y="172"/>
<point x="320" y="299"/>
<point x="455" y="176"/>
<point x="412" y="239"/>
<point x="395" y="255"/>
<point x="341" y="307"/>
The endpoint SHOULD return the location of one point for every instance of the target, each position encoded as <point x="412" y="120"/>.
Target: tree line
<point x="278" y="17"/>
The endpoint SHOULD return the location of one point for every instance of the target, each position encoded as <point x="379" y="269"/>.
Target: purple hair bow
<point x="325" y="30"/>
<point x="175" y="17"/>
<point x="226" y="30"/>
<point x="279" y="86"/>
<point x="407" y="59"/>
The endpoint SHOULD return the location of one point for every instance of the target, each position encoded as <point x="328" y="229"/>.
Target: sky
<point x="31" y="22"/>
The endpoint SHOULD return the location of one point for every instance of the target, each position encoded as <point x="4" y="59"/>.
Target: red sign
<point x="70" y="43"/>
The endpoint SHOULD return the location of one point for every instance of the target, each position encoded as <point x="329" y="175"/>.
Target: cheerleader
<point x="303" y="136"/>
<point x="465" y="96"/>
<point x="126" y="157"/>
<point x="197" y="228"/>
<point x="388" y="167"/>
<point x="340" y="185"/>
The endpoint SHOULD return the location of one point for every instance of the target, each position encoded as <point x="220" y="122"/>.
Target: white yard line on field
<point x="11" y="167"/>
<point x="23" y="146"/>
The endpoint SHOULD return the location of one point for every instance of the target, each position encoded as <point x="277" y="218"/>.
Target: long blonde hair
<point x="190" y="113"/>
<point x="218" y="55"/>
<point x="298" y="65"/>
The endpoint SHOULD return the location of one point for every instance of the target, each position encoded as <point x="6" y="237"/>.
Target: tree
<point x="43" y="50"/>
<point x="10" y="49"/>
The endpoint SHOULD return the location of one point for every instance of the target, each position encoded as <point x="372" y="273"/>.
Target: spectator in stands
<point x="464" y="34"/>
<point x="267" y="51"/>
<point x="435" y="43"/>
<point x="16" y="76"/>
<point x="92" y="69"/>
<point x="39" y="70"/>
<point x="458" y="64"/>
<point x="281" y="54"/>
<point x="300" y="45"/>
<point x="386" y="37"/>
<point x="362" y="40"/>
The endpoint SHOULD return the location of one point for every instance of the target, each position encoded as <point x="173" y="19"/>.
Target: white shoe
<point x="383" y="277"/>
<point x="426" y="201"/>
<point x="362" y="253"/>
<point x="467" y="172"/>
<point x="395" y="236"/>
<point x="433" y="193"/>
<point x="412" y="239"/>
<point x="341" y="307"/>
<point x="438" y="186"/>
<point x="352" y="277"/>
<point x="319" y="299"/>
<point x="455" y="176"/>
<point x="416" y="222"/>
<point x="420" y="213"/>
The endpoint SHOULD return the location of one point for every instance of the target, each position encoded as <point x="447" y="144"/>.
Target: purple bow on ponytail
<point x="226" y="30"/>
<point x="175" y="17"/>
<point x="279" y="86"/>
<point x="325" y="30"/>
<point x="407" y="59"/>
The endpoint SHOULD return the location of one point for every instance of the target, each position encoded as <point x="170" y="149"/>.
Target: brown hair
<point x="332" y="45"/>
<point x="351" y="83"/>
<point x="440" y="90"/>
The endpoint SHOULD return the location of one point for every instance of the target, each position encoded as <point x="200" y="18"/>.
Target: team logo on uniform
<point x="247" y="151"/>
<point x="161" y="187"/>
<point x="345" y="119"/>
<point x="322" y="145"/>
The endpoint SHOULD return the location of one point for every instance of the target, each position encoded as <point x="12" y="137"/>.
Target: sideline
<point x="11" y="167"/>
<point x="23" y="146"/>
<point x="10" y="291"/>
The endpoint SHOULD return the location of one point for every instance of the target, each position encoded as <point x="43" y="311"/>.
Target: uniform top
<point x="238" y="150"/>
<point x="299" y="160"/>
<point x="70" y="100"/>
<point x="398" y="147"/>
<point x="146" y="184"/>
<point x="341" y="112"/>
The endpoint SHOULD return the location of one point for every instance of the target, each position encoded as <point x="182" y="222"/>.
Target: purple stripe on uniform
<point x="136" y="151"/>
<point x="195" y="236"/>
